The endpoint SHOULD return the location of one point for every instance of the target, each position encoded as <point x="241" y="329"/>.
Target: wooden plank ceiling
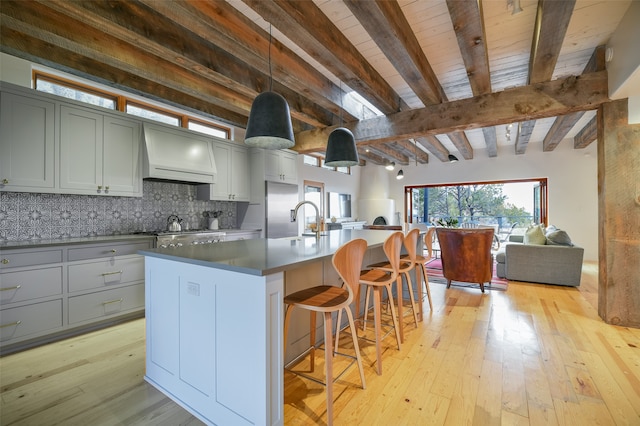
<point x="410" y="78"/>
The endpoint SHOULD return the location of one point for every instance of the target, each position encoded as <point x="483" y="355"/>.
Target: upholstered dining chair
<point x="466" y="254"/>
<point x="377" y="280"/>
<point x="347" y="261"/>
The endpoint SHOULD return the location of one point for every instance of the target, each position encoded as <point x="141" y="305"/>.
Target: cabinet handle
<point x="4" y="261"/>
<point x="11" y="288"/>
<point x="11" y="324"/>
<point x="111" y="273"/>
<point x="5" y="181"/>
<point x="113" y="301"/>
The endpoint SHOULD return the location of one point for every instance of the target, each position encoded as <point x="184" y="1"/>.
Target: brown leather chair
<point x="466" y="254"/>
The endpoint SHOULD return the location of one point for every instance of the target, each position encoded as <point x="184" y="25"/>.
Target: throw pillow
<point x="535" y="235"/>
<point x="558" y="237"/>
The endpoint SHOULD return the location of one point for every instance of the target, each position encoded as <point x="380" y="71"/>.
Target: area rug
<point x="434" y="270"/>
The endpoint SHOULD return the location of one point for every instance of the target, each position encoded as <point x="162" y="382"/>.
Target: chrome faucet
<point x="294" y="214"/>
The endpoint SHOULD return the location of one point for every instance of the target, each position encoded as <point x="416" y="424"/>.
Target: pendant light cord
<point x="270" y="71"/>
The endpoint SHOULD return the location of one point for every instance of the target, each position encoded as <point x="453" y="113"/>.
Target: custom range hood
<point x="177" y="155"/>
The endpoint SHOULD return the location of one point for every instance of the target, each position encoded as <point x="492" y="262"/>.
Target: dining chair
<point x="378" y="280"/>
<point x="327" y="299"/>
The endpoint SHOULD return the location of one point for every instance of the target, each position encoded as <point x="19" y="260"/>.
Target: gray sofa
<point x="546" y="264"/>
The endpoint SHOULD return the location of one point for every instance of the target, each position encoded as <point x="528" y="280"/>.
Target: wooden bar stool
<point x="420" y="266"/>
<point x="410" y="241"/>
<point x="347" y="261"/>
<point x="379" y="279"/>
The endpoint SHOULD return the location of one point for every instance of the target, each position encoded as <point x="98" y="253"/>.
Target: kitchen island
<point x="215" y="320"/>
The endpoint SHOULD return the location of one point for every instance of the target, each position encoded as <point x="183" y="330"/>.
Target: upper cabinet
<point x="27" y="140"/>
<point x="99" y="154"/>
<point x="232" y="184"/>
<point x="281" y="166"/>
<point x="53" y="145"/>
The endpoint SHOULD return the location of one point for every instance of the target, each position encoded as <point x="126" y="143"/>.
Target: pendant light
<point x="269" y="124"/>
<point x="400" y="175"/>
<point x="452" y="158"/>
<point x="341" y="146"/>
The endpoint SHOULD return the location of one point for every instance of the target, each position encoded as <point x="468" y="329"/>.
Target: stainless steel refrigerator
<point x="281" y="198"/>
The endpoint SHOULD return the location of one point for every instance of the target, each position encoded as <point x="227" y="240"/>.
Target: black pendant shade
<point x="341" y="149"/>
<point x="452" y="158"/>
<point x="269" y="124"/>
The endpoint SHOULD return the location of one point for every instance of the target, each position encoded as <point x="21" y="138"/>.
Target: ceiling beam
<point x="467" y="24"/>
<point x="525" y="129"/>
<point x="435" y="147"/>
<point x="223" y="25"/>
<point x="314" y="32"/>
<point x="552" y="21"/>
<point x="132" y="36"/>
<point x="371" y="156"/>
<point x="542" y="100"/>
<point x="588" y="134"/>
<point x="412" y="151"/>
<point x="388" y="27"/>
<point x="563" y="124"/>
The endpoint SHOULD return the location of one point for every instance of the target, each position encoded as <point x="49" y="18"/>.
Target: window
<point x="501" y="204"/>
<point x="122" y="102"/>
<point x="208" y="129"/>
<point x="71" y="90"/>
<point x="151" y="113"/>
<point x="311" y="160"/>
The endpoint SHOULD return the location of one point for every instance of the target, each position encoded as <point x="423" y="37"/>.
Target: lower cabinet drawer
<point x="106" y="250"/>
<point x="31" y="284"/>
<point x="105" y="304"/>
<point x="30" y="319"/>
<point x="18" y="258"/>
<point x="105" y="273"/>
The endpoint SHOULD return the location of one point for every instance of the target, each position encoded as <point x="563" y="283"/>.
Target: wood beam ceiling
<point x="211" y="58"/>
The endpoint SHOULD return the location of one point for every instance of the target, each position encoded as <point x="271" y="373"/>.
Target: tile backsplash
<point x="33" y="216"/>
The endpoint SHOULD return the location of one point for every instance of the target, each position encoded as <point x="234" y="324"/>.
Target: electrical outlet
<point x="193" y="289"/>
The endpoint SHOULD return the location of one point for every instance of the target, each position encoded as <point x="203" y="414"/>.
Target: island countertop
<point x="266" y="256"/>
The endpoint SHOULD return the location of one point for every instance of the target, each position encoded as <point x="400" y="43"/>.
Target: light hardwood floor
<point x="531" y="355"/>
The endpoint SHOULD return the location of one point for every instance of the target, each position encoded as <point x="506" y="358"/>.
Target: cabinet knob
<point x="113" y="250"/>
<point x="4" y="261"/>
<point x="5" y="181"/>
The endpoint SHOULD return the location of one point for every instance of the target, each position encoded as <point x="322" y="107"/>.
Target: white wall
<point x="333" y="182"/>
<point x="572" y="179"/>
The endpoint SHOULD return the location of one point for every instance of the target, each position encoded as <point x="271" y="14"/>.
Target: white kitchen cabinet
<point x="99" y="154"/>
<point x="232" y="164"/>
<point x="27" y="140"/>
<point x="281" y="166"/>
